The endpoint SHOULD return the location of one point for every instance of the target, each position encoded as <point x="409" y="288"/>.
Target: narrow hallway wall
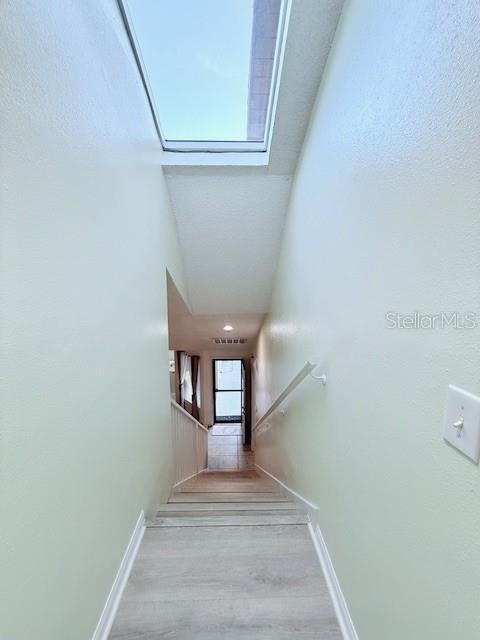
<point x="87" y="234"/>
<point x="384" y="218"/>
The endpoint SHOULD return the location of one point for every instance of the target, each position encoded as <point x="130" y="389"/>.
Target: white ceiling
<point x="230" y="219"/>
<point x="194" y="333"/>
<point x="229" y="228"/>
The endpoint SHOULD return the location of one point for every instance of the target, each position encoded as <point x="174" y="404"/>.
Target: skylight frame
<point x="214" y="146"/>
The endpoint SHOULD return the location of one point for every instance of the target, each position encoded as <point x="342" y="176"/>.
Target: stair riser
<point x="231" y="520"/>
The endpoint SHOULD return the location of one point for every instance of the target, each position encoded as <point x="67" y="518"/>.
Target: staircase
<point x="229" y="557"/>
<point x="228" y="498"/>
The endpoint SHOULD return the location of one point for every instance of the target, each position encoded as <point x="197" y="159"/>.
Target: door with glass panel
<point x="243" y="402"/>
<point x="227" y="390"/>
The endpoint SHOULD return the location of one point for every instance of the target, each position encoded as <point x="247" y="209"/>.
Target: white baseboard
<point x="296" y="497"/>
<point x="336" y="594"/>
<point x="110" y="609"/>
<point x="177" y="484"/>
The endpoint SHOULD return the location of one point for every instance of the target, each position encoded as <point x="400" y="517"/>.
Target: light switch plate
<point x="462" y="422"/>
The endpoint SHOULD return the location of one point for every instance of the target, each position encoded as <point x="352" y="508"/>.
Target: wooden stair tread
<point x="248" y="481"/>
<point x="180" y="507"/>
<point x="232" y="519"/>
<point x="229" y="485"/>
<point x="234" y="496"/>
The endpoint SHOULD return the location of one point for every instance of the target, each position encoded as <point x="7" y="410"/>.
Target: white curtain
<point x="184" y="368"/>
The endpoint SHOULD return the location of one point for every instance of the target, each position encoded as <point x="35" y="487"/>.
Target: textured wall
<point x="384" y="217"/>
<point x="86" y="237"/>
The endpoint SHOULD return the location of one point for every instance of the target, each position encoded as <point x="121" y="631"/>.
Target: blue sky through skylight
<point x="197" y="57"/>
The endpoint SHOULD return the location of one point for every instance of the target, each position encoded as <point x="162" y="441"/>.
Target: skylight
<point x="210" y="69"/>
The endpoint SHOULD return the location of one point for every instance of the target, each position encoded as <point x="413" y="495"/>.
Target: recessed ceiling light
<point x="228" y="327"/>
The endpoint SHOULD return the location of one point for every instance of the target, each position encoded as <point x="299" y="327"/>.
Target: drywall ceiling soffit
<point x="229" y="229"/>
<point x="230" y="219"/>
<point x="194" y="333"/>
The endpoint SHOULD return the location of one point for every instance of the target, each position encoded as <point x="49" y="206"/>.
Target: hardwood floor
<point x="229" y="557"/>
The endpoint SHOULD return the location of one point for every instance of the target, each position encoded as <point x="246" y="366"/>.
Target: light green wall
<point x="384" y="216"/>
<point x="87" y="235"/>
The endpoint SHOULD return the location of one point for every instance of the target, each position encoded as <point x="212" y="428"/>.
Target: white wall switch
<point x="462" y="423"/>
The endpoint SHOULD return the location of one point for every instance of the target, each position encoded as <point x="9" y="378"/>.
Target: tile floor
<point x="226" y="452"/>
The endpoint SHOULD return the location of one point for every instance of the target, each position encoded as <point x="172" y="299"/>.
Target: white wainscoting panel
<point x="190" y="444"/>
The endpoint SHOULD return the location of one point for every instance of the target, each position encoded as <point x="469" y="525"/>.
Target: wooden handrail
<point x="301" y="375"/>
<point x="182" y="410"/>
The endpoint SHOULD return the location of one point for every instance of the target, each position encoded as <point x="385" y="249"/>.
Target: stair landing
<point x="229" y="557"/>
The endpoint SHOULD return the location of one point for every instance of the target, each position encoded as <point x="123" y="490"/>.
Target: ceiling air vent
<point x="229" y="340"/>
